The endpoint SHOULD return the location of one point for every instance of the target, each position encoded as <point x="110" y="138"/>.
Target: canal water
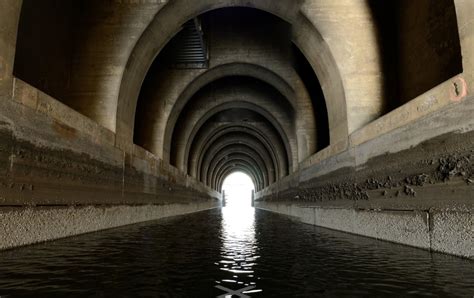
<point x="251" y="253"/>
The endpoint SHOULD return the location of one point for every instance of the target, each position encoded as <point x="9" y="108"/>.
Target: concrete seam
<point x="314" y="216"/>
<point x="13" y="88"/>
<point x="353" y="225"/>
<point x="123" y="174"/>
<point x="430" y="228"/>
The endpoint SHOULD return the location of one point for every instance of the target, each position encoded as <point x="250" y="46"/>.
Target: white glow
<point x="239" y="253"/>
<point x="238" y="189"/>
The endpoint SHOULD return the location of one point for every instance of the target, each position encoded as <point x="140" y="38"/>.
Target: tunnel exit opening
<point x="237" y="190"/>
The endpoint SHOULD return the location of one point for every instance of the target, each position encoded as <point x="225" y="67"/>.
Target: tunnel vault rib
<point x="271" y="143"/>
<point x="232" y="167"/>
<point x="238" y="105"/>
<point x="103" y="131"/>
<point x="225" y="153"/>
<point x="242" y="152"/>
<point x="224" y="159"/>
<point x="206" y="107"/>
<point x="136" y="66"/>
<point x="252" y="143"/>
<point x="289" y="101"/>
<point x="229" y="171"/>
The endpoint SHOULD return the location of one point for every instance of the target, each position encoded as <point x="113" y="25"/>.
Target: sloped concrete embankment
<point x="62" y="175"/>
<point x="413" y="185"/>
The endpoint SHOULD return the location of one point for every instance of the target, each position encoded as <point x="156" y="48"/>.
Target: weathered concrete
<point x="431" y="30"/>
<point x="398" y="164"/>
<point x="259" y="129"/>
<point x="176" y="12"/>
<point x="10" y="12"/>
<point x="412" y="185"/>
<point x="218" y="102"/>
<point x="22" y="226"/>
<point x="448" y="232"/>
<point x="84" y="47"/>
<point x="61" y="175"/>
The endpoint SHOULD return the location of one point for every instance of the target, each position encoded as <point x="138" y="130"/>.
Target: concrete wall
<point x="45" y="46"/>
<point x="76" y="51"/>
<point x="8" y="29"/>
<point x="60" y="172"/>
<point x="406" y="177"/>
<point x="58" y="164"/>
<point x="236" y="49"/>
<point x="442" y="231"/>
<point x="430" y="30"/>
<point x="406" y="182"/>
<point x="417" y="159"/>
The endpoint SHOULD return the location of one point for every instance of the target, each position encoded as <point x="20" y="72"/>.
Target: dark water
<point x="203" y="254"/>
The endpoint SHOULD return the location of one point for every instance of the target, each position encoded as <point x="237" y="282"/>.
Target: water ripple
<point x="266" y="254"/>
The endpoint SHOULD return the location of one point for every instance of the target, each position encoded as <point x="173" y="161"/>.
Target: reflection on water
<point x="239" y="247"/>
<point x="220" y="252"/>
<point x="239" y="252"/>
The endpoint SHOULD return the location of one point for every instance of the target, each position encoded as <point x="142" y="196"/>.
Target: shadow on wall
<point x="419" y="45"/>
<point x="311" y="82"/>
<point x="45" y="45"/>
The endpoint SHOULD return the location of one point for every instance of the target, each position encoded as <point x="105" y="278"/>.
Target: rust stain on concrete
<point x="64" y="131"/>
<point x="3" y="69"/>
<point x="459" y="89"/>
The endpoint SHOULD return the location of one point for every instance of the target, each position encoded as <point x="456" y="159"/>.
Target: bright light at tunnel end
<point x="238" y="188"/>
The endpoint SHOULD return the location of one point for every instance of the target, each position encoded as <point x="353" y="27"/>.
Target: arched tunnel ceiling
<point x="243" y="111"/>
<point x="275" y="77"/>
<point x="224" y="160"/>
<point x="258" y="130"/>
<point x="250" y="104"/>
<point x="228" y="172"/>
<point x="232" y="143"/>
<point x="261" y="98"/>
<point x="176" y="87"/>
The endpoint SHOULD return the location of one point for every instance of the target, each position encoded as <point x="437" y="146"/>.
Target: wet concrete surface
<point x="215" y="252"/>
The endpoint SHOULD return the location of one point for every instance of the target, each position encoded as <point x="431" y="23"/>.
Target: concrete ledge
<point x="425" y="104"/>
<point x="448" y="232"/>
<point x="23" y="226"/>
<point x="44" y="104"/>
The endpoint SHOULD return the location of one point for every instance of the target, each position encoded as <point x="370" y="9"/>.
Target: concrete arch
<point x="259" y="174"/>
<point x="180" y="11"/>
<point x="464" y="10"/>
<point x="244" y="105"/>
<point x="234" y="148"/>
<point x="253" y="148"/>
<point x="225" y="172"/>
<point x="237" y="153"/>
<point x="301" y="110"/>
<point x="159" y="131"/>
<point x="90" y="171"/>
<point x="215" y="179"/>
<point x="246" y="172"/>
<point x="213" y="132"/>
<point x="307" y="38"/>
<point x="205" y="107"/>
<point x="108" y="101"/>
<point x="233" y="170"/>
<point x="224" y="169"/>
<point x="253" y="145"/>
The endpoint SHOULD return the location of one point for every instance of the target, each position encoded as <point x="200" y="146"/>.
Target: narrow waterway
<point x="215" y="252"/>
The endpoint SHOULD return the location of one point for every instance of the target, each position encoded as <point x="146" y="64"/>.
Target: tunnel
<point x="349" y="121"/>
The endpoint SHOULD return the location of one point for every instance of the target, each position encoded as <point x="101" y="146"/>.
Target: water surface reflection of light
<point x="239" y="249"/>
